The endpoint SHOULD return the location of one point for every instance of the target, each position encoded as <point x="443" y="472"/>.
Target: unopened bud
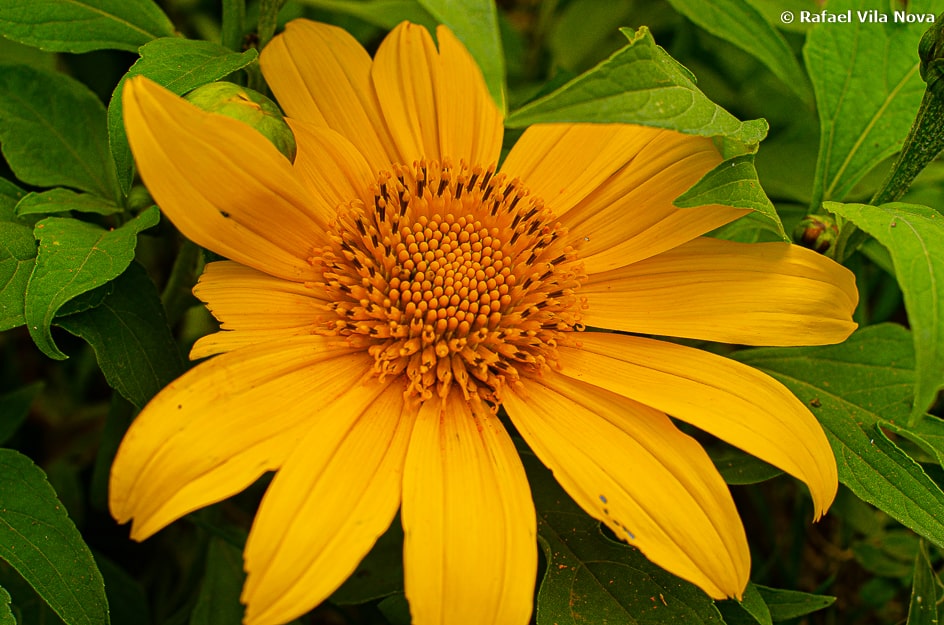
<point x="249" y="107"/>
<point x="817" y="232"/>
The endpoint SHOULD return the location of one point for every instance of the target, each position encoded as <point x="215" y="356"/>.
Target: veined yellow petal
<point x="320" y="74"/>
<point x="628" y="466"/>
<point x="253" y="404"/>
<point x="470" y="124"/>
<point x="331" y="166"/>
<point x="254" y="307"/>
<point x="754" y="294"/>
<point x="613" y="186"/>
<point x="732" y="401"/>
<point x="222" y="183"/>
<point x="330" y="501"/>
<point x="405" y="75"/>
<point x="470" y="554"/>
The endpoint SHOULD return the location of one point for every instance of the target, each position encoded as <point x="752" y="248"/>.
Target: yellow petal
<point x="470" y="554"/>
<point x="405" y="76"/>
<point x="222" y="183"/>
<point x="757" y="294"/>
<point x="254" y="307"/>
<point x="220" y="426"/>
<point x="628" y="466"/>
<point x="470" y="124"/>
<point x="333" y="497"/>
<point x="725" y="398"/>
<point x="613" y="186"/>
<point x="320" y="74"/>
<point x="330" y="166"/>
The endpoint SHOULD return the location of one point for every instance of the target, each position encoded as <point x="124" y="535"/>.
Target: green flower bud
<point x="249" y="107"/>
<point x="931" y="53"/>
<point x="817" y="232"/>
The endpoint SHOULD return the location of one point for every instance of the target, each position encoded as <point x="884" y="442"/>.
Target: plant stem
<point x="234" y="24"/>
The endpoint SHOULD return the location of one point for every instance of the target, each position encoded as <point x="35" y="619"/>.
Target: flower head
<point x="390" y="290"/>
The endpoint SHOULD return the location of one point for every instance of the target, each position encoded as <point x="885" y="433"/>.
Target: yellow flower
<point x="389" y="290"/>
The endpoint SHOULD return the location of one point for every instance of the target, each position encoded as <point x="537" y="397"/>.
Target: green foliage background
<point x="95" y="306"/>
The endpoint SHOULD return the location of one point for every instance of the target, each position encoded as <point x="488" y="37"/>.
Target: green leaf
<point x="128" y="331"/>
<point x="867" y="85"/>
<point x="639" y="84"/>
<point x="738" y="467"/>
<point x="788" y="604"/>
<point x="734" y="183"/>
<point x="475" y="24"/>
<point x="180" y="65"/>
<point x="17" y="259"/>
<point x="928" y="434"/>
<point x="6" y="616"/>
<point x="739" y="23"/>
<point x="913" y="236"/>
<point x="14" y="407"/>
<point x="10" y="195"/>
<point x="52" y="131"/>
<point x="922" y="610"/>
<point x="39" y="540"/>
<point x="62" y="200"/>
<point x="83" y="25"/>
<point x="850" y="388"/>
<point x="218" y="601"/>
<point x="381" y="13"/>
<point x="74" y="258"/>
<point x="593" y="579"/>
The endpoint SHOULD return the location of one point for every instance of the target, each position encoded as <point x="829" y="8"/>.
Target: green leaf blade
<point x="83" y="25"/>
<point x="52" y="131"/>
<point x="74" y="258"/>
<point x="739" y="23"/>
<point x="850" y="388"/>
<point x="868" y="88"/>
<point x="6" y="614"/>
<point x="639" y="84"/>
<point x="922" y="610"/>
<point x="180" y="65"/>
<point x="61" y="200"/>
<point x="913" y="235"/>
<point x="135" y="348"/>
<point x="17" y="260"/>
<point x="38" y="539"/>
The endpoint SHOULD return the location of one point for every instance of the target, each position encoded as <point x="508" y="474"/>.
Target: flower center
<point x="455" y="276"/>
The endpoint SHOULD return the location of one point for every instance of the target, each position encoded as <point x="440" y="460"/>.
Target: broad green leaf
<point x="585" y="31"/>
<point x="475" y="24"/>
<point x="52" y="131"/>
<point x="639" y="84"/>
<point x="218" y="601"/>
<point x="867" y="85"/>
<point x="593" y="579"/>
<point x="14" y="407"/>
<point x="180" y="65"/>
<point x="928" y="434"/>
<point x="751" y="610"/>
<point x="74" y="258"/>
<point x="62" y="200"/>
<point x="734" y="183"/>
<point x="739" y="23"/>
<point x="395" y="609"/>
<point x="10" y="195"/>
<point x="788" y="604"/>
<point x="83" y="25"/>
<point x="381" y="13"/>
<point x="922" y="610"/>
<point x="128" y="331"/>
<point x="6" y="615"/>
<point x="379" y="574"/>
<point x="850" y="387"/>
<point x="38" y="539"/>
<point x="17" y="259"/>
<point x="913" y="235"/>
